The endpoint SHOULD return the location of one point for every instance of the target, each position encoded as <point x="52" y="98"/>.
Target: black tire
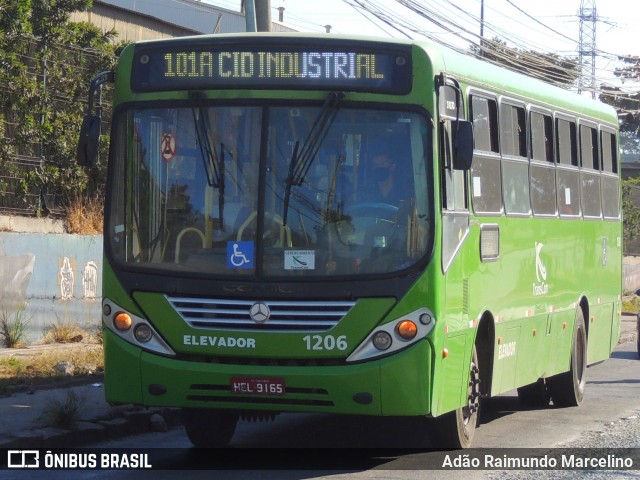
<point x="567" y="389"/>
<point x="209" y="428"/>
<point x="456" y="429"/>
<point x="535" y="394"/>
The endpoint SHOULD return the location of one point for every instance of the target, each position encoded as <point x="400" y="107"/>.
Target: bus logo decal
<point x="260" y="312"/>
<point x="540" y="288"/>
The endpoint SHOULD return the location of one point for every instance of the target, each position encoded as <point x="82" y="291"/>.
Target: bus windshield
<point x="270" y="191"/>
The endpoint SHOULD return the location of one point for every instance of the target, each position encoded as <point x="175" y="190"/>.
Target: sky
<point x="550" y="26"/>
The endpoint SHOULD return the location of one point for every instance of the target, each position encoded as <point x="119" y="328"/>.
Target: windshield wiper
<point x="213" y="164"/>
<point x="303" y="157"/>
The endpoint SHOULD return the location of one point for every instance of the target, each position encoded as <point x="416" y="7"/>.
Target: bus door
<point x="454" y="153"/>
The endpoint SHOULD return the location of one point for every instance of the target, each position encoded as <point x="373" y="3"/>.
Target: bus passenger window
<point x="543" y="171"/>
<point x="567" y="175"/>
<point x="486" y="185"/>
<point x="609" y="180"/>
<point x="515" y="165"/>
<point x="590" y="175"/>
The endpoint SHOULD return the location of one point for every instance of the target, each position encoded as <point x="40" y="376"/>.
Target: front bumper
<point x="395" y="385"/>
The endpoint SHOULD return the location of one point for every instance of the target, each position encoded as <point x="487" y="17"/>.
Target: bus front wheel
<point x="567" y="389"/>
<point x="209" y="428"/>
<point x="456" y="429"/>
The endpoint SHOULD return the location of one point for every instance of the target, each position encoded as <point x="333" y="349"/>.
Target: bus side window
<point x="567" y="174"/>
<point x="515" y="165"/>
<point x="543" y="171"/>
<point x="454" y="189"/>
<point x="590" y="174"/>
<point x="486" y="185"/>
<point x="610" y="199"/>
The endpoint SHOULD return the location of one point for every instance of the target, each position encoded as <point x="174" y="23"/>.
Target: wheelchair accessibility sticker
<point x="239" y="254"/>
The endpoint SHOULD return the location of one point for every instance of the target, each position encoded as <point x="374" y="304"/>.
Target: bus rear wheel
<point x="457" y="428"/>
<point x="209" y="428"/>
<point x="567" y="389"/>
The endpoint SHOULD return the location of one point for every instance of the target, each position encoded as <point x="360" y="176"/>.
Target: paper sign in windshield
<point x="299" y="260"/>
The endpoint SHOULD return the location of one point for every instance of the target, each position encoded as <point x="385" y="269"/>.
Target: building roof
<point x="193" y="15"/>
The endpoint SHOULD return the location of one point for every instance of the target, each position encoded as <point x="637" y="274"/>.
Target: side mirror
<point x="462" y="132"/>
<point x="87" y="153"/>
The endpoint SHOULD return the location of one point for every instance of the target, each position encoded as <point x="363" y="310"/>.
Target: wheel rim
<point x="580" y="364"/>
<point x="470" y="411"/>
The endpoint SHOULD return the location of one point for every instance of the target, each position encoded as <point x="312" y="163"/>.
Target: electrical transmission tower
<point x="587" y="47"/>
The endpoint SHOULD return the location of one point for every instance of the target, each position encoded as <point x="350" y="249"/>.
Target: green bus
<point x="350" y="225"/>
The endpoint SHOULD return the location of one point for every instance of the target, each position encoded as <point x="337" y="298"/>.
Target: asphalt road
<point x="318" y="446"/>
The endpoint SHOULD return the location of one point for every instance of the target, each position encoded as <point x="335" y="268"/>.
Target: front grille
<point x="263" y="362"/>
<point x="288" y="316"/>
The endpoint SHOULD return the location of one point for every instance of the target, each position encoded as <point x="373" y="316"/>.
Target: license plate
<point x="257" y="386"/>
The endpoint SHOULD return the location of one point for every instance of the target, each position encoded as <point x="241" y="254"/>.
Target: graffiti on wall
<point x="66" y="279"/>
<point x="15" y="274"/>
<point x="90" y="280"/>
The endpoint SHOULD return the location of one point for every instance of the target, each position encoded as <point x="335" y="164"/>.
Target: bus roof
<point x="464" y="68"/>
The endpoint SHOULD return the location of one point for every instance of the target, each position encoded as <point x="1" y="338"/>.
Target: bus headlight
<point x="395" y="335"/>
<point x="133" y="328"/>
<point x="143" y="333"/>
<point x="382" y="340"/>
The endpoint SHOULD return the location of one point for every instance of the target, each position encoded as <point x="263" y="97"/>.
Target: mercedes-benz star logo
<point x="259" y="312"/>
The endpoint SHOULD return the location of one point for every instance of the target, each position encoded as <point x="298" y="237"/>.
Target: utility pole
<point x="249" y="9"/>
<point x="482" y="28"/>
<point x="587" y="47"/>
<point x="263" y="15"/>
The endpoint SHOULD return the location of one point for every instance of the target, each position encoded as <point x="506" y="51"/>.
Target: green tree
<point x="46" y="65"/>
<point x="631" y="215"/>
<point x="628" y="105"/>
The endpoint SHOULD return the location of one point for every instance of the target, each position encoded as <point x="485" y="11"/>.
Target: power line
<point x="460" y="25"/>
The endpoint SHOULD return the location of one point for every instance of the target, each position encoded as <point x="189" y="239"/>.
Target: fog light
<point x="143" y="333"/>
<point x="425" y="319"/>
<point x="381" y="340"/>
<point x="122" y="321"/>
<point x="106" y="310"/>
<point x="407" y="329"/>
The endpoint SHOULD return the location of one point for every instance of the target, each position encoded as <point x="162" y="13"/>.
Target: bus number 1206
<point x="325" y="342"/>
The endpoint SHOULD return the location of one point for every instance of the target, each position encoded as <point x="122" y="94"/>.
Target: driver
<point x="385" y="184"/>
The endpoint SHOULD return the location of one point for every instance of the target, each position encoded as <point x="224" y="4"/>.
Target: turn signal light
<point x="407" y="329"/>
<point x="122" y="321"/>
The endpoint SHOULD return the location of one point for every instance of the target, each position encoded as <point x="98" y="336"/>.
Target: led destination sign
<point x="314" y="68"/>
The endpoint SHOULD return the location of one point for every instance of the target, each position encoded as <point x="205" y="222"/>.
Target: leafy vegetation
<point x="46" y="65"/>
<point x="64" y="331"/>
<point x="13" y="328"/>
<point x="36" y="367"/>
<point x="631" y="304"/>
<point x="630" y="210"/>
<point x="62" y="413"/>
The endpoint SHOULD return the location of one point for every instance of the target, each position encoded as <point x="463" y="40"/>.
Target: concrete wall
<point x="50" y="278"/>
<point x="56" y="277"/>
<point x="631" y="274"/>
